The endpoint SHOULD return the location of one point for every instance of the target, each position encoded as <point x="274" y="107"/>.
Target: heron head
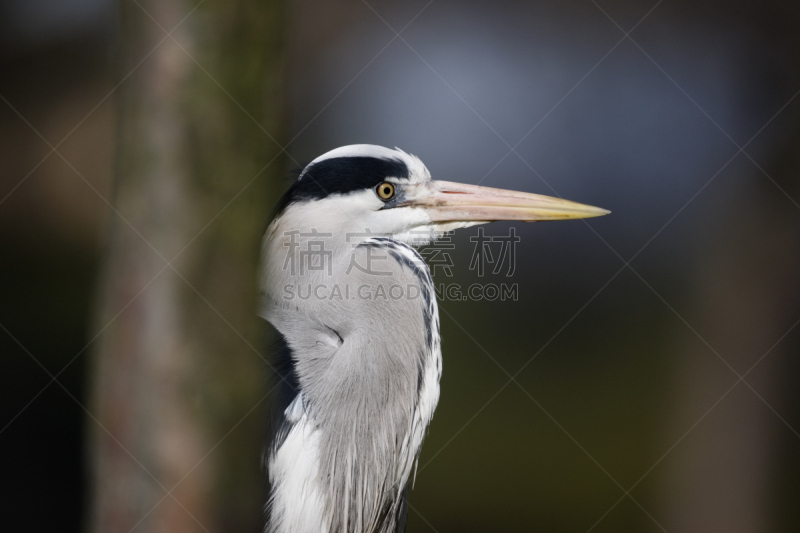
<point x="383" y="191"/>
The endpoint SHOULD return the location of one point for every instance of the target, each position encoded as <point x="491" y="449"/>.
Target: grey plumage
<point x="361" y="382"/>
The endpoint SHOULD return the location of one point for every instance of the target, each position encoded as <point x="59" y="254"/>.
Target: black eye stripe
<point x="341" y="175"/>
<point x="346" y="174"/>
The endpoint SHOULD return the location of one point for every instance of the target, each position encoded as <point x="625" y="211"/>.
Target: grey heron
<point x="354" y="306"/>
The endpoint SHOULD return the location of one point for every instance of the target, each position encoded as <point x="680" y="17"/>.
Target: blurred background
<point x="644" y="380"/>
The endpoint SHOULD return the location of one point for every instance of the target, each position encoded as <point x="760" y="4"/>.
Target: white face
<point x="364" y="212"/>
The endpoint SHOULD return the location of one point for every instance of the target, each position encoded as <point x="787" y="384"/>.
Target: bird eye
<point x="385" y="190"/>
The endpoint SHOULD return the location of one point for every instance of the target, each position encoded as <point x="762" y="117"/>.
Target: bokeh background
<point x="645" y="379"/>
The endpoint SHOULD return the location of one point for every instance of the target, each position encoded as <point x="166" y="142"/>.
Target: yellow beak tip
<point x="592" y="212"/>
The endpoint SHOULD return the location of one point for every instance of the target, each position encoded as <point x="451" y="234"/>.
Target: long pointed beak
<point x="447" y="201"/>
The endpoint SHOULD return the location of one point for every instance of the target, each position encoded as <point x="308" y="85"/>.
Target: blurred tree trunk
<point x="177" y="406"/>
<point x="730" y="473"/>
<point x="726" y="475"/>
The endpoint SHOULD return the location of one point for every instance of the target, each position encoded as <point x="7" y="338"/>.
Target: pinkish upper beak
<point x="447" y="201"/>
